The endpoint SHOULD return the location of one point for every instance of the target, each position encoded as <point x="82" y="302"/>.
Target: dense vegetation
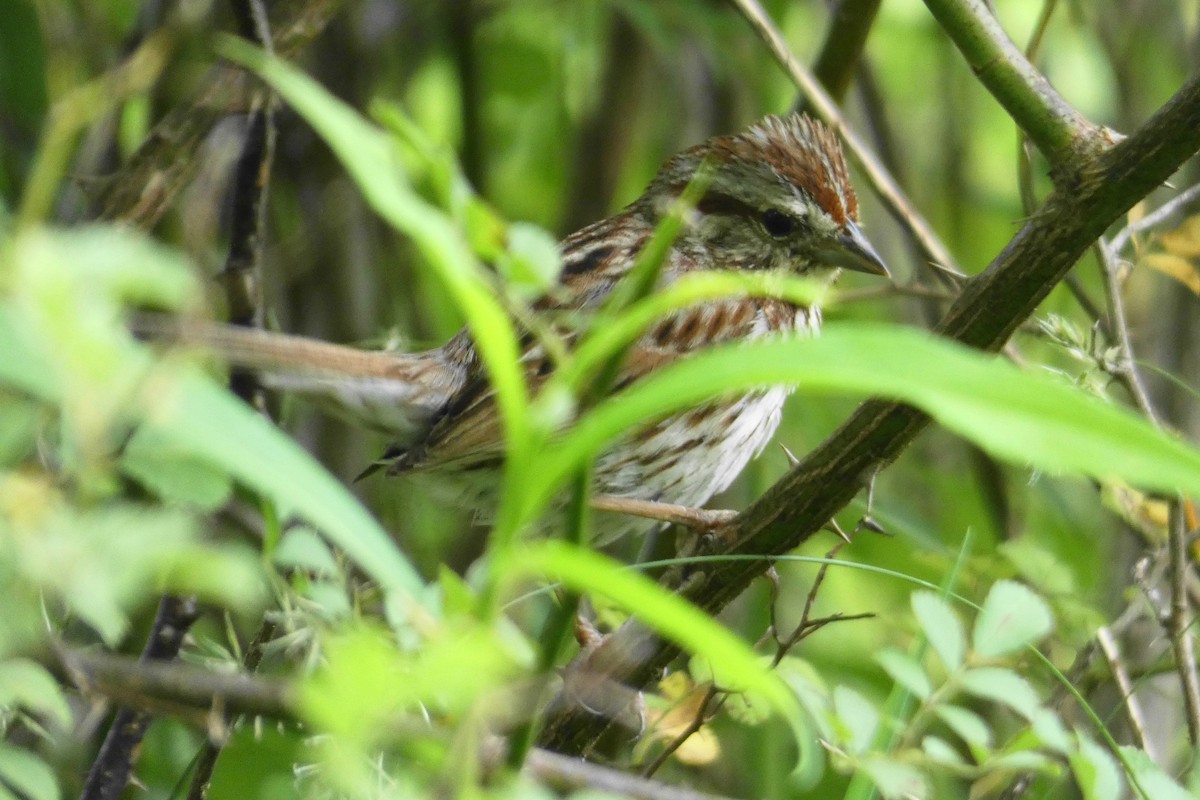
<point x="1012" y="614"/>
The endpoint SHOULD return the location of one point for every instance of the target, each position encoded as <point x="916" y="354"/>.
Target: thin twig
<point x="1129" y="375"/>
<point x="1154" y="218"/>
<point x="877" y="175"/>
<point x="1179" y="622"/>
<point x="703" y="715"/>
<point x="1116" y="667"/>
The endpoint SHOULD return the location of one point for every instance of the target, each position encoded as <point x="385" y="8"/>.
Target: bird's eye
<point x="777" y="223"/>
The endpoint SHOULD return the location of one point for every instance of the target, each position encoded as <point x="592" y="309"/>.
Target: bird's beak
<point x="852" y="251"/>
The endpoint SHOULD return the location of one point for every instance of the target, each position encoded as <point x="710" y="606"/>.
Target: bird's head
<point x="778" y="196"/>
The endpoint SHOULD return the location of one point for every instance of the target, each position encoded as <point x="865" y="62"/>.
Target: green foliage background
<point x="556" y="113"/>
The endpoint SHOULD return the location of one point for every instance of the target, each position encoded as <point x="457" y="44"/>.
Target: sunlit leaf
<point x="1030" y="418"/>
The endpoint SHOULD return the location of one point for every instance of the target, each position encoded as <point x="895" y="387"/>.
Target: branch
<point x="184" y="687"/>
<point x="110" y="770"/>
<point x="146" y="188"/>
<point x="838" y="60"/>
<point x="1063" y="135"/>
<point x="992" y="305"/>
<point x="877" y="174"/>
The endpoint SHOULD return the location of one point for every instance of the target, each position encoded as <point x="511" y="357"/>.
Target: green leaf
<point x="1154" y="783"/>
<point x="28" y="684"/>
<point x="302" y="548"/>
<point x="1002" y="686"/>
<point x="1028" y="418"/>
<point x="174" y="476"/>
<point x="19" y="420"/>
<point x="941" y="627"/>
<point x="1095" y="771"/>
<point x="969" y="726"/>
<point x="27" y="774"/>
<point x="895" y="780"/>
<point x="906" y="671"/>
<point x="369" y="155"/>
<point x="195" y="416"/>
<point x="940" y="750"/>
<point x="1012" y="618"/>
<point x="532" y="262"/>
<point x="671" y="616"/>
<point x="1050" y="731"/>
<point x="859" y="716"/>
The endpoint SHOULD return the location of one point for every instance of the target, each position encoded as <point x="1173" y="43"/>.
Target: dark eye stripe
<point x="720" y="203"/>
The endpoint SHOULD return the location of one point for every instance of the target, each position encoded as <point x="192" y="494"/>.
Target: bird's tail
<point x="394" y="393"/>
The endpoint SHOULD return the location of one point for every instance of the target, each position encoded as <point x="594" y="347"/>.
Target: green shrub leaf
<point x="941" y="627"/>
<point x="1012" y="618"/>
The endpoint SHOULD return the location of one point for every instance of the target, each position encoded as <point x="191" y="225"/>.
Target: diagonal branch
<point x="876" y="173"/>
<point x="146" y="188"/>
<point x="1062" y="134"/>
<point x="991" y="306"/>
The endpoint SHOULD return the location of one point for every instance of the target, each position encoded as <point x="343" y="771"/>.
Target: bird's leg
<point x="704" y="520"/>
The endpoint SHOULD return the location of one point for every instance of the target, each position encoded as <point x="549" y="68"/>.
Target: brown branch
<point x="113" y="765"/>
<point x="991" y="307"/>
<point x="153" y="685"/>
<point x="188" y="688"/>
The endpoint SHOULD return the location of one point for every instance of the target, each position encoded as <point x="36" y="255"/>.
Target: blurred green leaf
<point x="906" y="671"/>
<point x="302" y="548"/>
<point x="532" y="262"/>
<point x="894" y="779"/>
<point x="941" y="627"/>
<point x="18" y="421"/>
<point x="26" y="683"/>
<point x="174" y="476"/>
<point x="1155" y="783"/>
<point x="1025" y="417"/>
<point x="859" y="715"/>
<point x="1051" y="732"/>
<point x="27" y="774"/>
<point x="1095" y="771"/>
<point x="1002" y="686"/>
<point x="940" y="750"/>
<point x="195" y="416"/>
<point x="969" y="726"/>
<point x="1012" y="618"/>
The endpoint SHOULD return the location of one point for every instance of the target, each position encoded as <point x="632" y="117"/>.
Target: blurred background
<point x="560" y="112"/>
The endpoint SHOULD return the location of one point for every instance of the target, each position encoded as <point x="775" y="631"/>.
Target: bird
<point x="776" y="196"/>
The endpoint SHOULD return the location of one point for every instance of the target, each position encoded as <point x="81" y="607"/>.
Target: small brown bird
<point x="778" y="197"/>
